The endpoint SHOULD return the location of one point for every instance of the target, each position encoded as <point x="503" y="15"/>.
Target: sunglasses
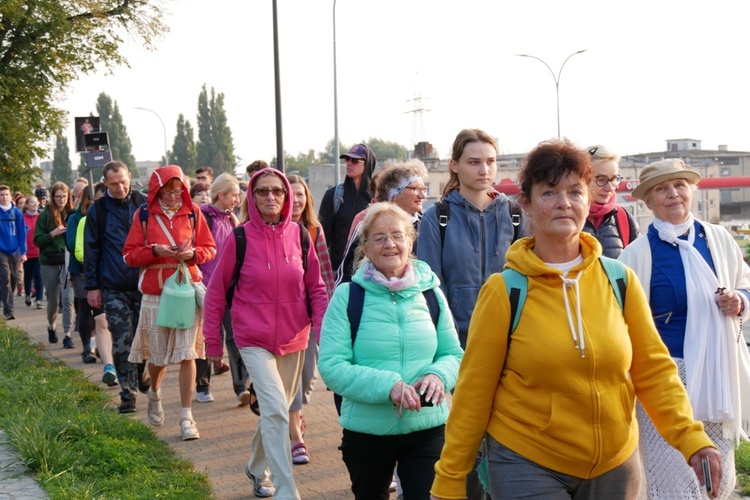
<point x="263" y="191"/>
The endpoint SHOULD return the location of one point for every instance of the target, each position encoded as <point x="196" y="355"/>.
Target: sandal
<point x="299" y="454"/>
<point x="189" y="430"/>
<point x="302" y="425"/>
<point x="254" y="401"/>
<point x="155" y="412"/>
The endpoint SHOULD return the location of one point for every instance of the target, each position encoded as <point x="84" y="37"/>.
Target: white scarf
<point x="710" y="350"/>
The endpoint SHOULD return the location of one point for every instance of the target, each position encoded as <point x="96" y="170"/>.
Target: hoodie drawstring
<point x="578" y="339"/>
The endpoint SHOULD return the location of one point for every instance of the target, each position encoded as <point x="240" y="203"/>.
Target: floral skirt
<point x="160" y="345"/>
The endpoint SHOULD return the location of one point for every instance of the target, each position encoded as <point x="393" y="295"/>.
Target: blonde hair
<point x="222" y="184"/>
<point x="373" y="212"/>
<point x="601" y="154"/>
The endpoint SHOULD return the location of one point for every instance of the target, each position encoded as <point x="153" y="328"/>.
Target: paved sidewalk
<point x="226" y="430"/>
<point x="15" y="480"/>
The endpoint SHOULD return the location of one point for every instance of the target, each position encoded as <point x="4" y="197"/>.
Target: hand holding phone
<point x="424" y="401"/>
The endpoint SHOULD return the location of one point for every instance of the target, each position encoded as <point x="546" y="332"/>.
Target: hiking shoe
<point x="243" y="398"/>
<point x="68" y="342"/>
<point x="204" y="397"/>
<point x="110" y="375"/>
<point x="39" y="304"/>
<point x="27" y="301"/>
<point x="10" y="316"/>
<point x="189" y="430"/>
<point x="261" y="489"/>
<point x="51" y="336"/>
<point x="299" y="454"/>
<point x="88" y="358"/>
<point x="127" y="406"/>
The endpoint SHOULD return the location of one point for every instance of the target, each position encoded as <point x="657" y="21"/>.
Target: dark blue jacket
<point x="608" y="235"/>
<point x="104" y="265"/>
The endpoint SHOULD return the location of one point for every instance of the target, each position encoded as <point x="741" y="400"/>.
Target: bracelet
<point x="742" y="308"/>
<point x="153" y="251"/>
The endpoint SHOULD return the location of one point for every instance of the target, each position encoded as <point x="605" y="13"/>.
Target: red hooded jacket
<point x="137" y="251"/>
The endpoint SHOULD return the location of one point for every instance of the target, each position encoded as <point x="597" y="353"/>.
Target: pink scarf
<point x="597" y="211"/>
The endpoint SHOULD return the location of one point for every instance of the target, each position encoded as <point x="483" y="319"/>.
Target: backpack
<point x="443" y="211"/>
<point x="102" y="212"/>
<point x="209" y="216"/>
<point x="357" y="302"/>
<point x="241" y="246"/>
<point x="623" y="226"/>
<point x="338" y="197"/>
<point x="516" y="284"/>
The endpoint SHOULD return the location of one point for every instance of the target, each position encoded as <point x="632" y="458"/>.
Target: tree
<point x="110" y="121"/>
<point x="299" y="164"/>
<point x="44" y="46"/>
<point x="61" y="167"/>
<point x="183" y="147"/>
<point x="386" y="150"/>
<point x="215" y="147"/>
<point x="327" y="156"/>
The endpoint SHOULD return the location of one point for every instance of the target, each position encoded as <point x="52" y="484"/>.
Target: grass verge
<point x="68" y="434"/>
<point x="742" y="465"/>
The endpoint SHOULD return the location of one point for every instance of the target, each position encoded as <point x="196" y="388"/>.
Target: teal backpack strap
<point x="516" y="284"/>
<point x="615" y="271"/>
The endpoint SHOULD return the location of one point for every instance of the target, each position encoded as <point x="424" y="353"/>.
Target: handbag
<point x="199" y="287"/>
<point x="177" y="303"/>
<point x="55" y="258"/>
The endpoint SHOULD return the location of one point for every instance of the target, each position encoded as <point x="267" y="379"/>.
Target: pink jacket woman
<point x="270" y="305"/>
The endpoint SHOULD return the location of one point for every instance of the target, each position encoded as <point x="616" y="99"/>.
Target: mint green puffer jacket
<point x="396" y="341"/>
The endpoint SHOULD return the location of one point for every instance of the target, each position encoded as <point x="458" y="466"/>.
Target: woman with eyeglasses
<point x="277" y="297"/>
<point x="174" y="235"/>
<point x="609" y="223"/>
<point x="394" y="369"/>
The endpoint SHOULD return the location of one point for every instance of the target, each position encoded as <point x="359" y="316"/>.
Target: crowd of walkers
<point x="578" y="352"/>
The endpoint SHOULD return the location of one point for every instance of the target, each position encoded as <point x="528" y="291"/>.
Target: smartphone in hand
<point x="423" y="400"/>
<point x="707" y="476"/>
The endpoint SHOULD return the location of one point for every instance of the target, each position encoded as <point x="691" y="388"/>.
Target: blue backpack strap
<point x="338" y="197"/>
<point x="615" y="271"/>
<point x="241" y="246"/>
<point x="354" y="307"/>
<point x="516" y="284"/>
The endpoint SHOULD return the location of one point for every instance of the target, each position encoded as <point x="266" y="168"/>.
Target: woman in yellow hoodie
<point x="556" y="400"/>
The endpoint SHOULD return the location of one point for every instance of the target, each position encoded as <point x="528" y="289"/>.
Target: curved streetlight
<point x="557" y="80"/>
<point x="335" y="107"/>
<point x="164" y="129"/>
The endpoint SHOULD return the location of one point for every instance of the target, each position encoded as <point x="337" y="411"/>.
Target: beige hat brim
<point x="689" y="175"/>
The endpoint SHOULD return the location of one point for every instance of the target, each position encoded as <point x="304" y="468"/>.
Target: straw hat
<point x="661" y="171"/>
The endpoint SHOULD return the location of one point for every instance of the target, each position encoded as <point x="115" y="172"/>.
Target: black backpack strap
<point x="209" y="219"/>
<point x="100" y="207"/>
<point x="354" y="308"/>
<point x="513" y="296"/>
<point x="433" y="305"/>
<point x="443" y="211"/>
<point x="241" y="246"/>
<point x="515" y="217"/>
<point x="304" y="243"/>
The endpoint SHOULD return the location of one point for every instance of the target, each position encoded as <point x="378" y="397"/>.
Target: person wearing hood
<point x="554" y="396"/>
<point x="393" y="377"/>
<point x="278" y="296"/>
<point x="341" y="203"/>
<point x="610" y="223"/>
<point x="174" y="233"/>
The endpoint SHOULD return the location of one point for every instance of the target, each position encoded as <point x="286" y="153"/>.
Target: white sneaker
<point x="204" y="397"/>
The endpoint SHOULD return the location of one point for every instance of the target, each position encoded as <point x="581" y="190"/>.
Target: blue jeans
<point x="513" y="476"/>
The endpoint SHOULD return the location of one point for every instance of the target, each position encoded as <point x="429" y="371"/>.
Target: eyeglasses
<point x="353" y="160"/>
<point x="176" y="192"/>
<point x="380" y="238"/>
<point x="418" y="189"/>
<point x="602" y="180"/>
<point x="263" y="191"/>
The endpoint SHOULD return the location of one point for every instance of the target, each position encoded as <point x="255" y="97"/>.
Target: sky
<point x="652" y="71"/>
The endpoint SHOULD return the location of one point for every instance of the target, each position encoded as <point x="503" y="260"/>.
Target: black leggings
<point x="86" y="315"/>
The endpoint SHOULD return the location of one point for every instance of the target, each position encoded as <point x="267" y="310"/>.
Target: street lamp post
<point x="557" y="80"/>
<point x="164" y="129"/>
<point x="335" y="107"/>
